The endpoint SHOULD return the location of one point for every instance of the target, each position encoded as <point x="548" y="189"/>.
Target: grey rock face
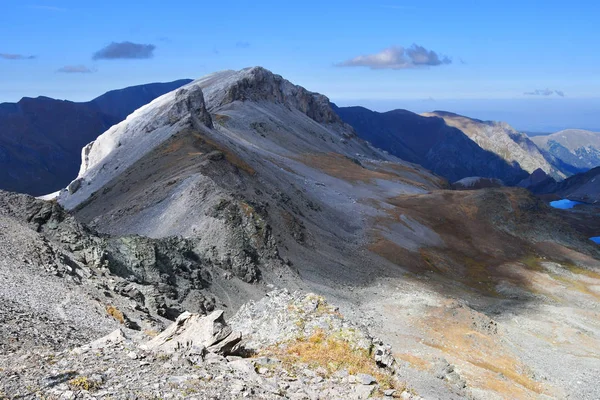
<point x="190" y="101"/>
<point x="259" y="84"/>
<point x="159" y="273"/>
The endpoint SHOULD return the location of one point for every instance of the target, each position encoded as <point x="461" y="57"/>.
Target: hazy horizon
<point x="473" y="58"/>
<point x="542" y="115"/>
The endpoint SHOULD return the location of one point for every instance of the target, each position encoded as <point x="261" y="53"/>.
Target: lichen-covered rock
<point x="282" y="316"/>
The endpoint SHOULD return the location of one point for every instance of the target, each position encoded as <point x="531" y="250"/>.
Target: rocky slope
<point x="200" y="357"/>
<point x="254" y="170"/>
<point x="241" y="181"/>
<point x="502" y="139"/>
<point x="41" y="138"/>
<point x="576" y="149"/>
<point x="432" y="143"/>
<point x="584" y="187"/>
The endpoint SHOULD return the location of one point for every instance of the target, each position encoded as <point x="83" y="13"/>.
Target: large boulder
<point x="201" y="334"/>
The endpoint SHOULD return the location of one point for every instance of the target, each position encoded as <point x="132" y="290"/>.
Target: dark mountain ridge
<point x="584" y="187"/>
<point x="430" y="142"/>
<point x="41" y="138"/>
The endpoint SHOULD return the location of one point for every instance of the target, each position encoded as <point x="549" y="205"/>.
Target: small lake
<point x="595" y="239"/>
<point x="564" y="204"/>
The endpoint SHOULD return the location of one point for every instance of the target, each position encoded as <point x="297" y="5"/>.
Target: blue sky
<point x="478" y="57"/>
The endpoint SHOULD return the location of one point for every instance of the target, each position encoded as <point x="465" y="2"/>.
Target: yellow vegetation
<point x="415" y="361"/>
<point x="115" y="313"/>
<point x="582" y="271"/>
<point x="344" y="168"/>
<point x="83" y="383"/>
<point x="533" y="263"/>
<point x="498" y="370"/>
<point x="332" y="353"/>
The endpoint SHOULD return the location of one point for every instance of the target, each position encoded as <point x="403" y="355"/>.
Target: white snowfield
<point x="50" y="196"/>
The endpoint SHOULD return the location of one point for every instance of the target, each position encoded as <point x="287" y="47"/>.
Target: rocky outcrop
<point x="259" y="84"/>
<point x="283" y="317"/>
<point x="190" y="102"/>
<point x="167" y="270"/>
<point x="193" y="358"/>
<point x="198" y="334"/>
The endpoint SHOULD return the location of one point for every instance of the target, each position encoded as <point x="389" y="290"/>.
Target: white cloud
<point x="7" y="56"/>
<point x="397" y="57"/>
<point x="75" y="69"/>
<point x="125" y="50"/>
<point x="546" y="92"/>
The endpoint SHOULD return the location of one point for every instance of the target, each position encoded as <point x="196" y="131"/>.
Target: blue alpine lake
<point x="564" y="204"/>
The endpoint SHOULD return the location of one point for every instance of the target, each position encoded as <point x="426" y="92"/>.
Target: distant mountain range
<point x="502" y="139"/>
<point x="41" y="138"/>
<point x="457" y="147"/>
<point x="577" y="150"/>
<point x="450" y="145"/>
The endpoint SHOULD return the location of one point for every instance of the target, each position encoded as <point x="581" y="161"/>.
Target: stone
<point x="191" y="331"/>
<point x="74" y="186"/>
<point x="389" y="392"/>
<point x="244" y="367"/>
<point x="227" y="345"/>
<point x="406" y="395"/>
<point x="363" y="391"/>
<point x="384" y="357"/>
<point x="212" y="358"/>
<point x="113" y="338"/>
<point x="365" y="379"/>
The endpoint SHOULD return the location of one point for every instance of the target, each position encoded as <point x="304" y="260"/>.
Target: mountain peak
<point x="260" y="84"/>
